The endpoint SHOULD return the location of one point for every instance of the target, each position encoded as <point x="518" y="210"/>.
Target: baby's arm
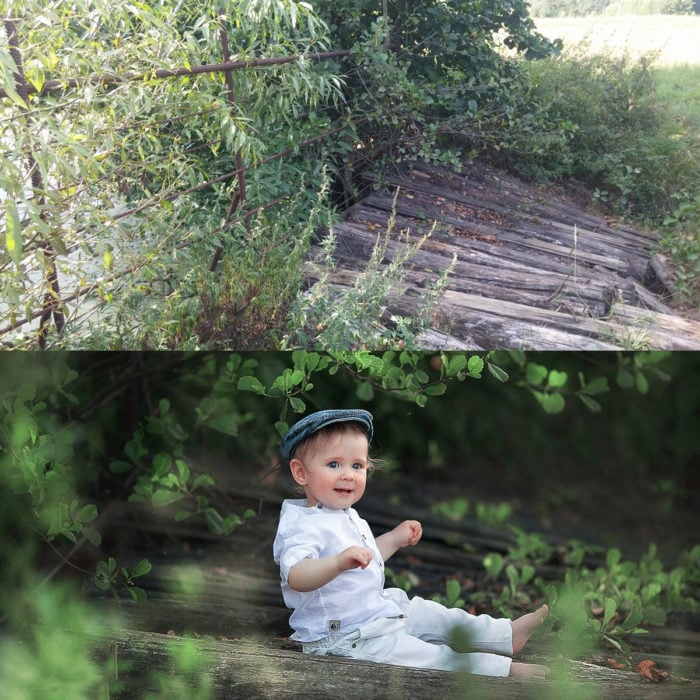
<point x="407" y="533"/>
<point x="310" y="574"/>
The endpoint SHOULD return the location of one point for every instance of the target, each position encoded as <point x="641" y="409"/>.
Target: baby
<point x="332" y="567"/>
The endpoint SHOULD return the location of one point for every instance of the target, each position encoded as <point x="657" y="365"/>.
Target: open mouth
<point x="343" y="491"/>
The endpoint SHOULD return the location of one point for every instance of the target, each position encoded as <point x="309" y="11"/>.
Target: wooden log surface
<point x="531" y="271"/>
<point x="257" y="670"/>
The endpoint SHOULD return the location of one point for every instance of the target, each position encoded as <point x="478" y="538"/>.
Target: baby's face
<point x="334" y="474"/>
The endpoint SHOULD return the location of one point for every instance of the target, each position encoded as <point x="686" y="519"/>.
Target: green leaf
<point x="183" y="471"/>
<point x="475" y="366"/>
<point x="535" y="374"/>
<point x="214" y="521"/>
<point x="610" y="610"/>
<point x="613" y="557"/>
<point x="456" y="364"/>
<point x="527" y="573"/>
<point x="557" y="379"/>
<point x="500" y="374"/>
<point x="119" y="467"/>
<point x="591" y="404"/>
<point x="493" y="563"/>
<point x="552" y="403"/>
<point x="633" y="619"/>
<point x="298" y="406"/>
<point x="14" y="95"/>
<point x="163" y="497"/>
<point x="625" y="379"/>
<point x="13" y="232"/>
<point x="87" y="513"/>
<point x="452" y="590"/>
<point x="436" y="389"/>
<point x="641" y="382"/>
<point x="251" y="384"/>
<point x="365" y="391"/>
<point x="598" y="386"/>
<point x="224" y="424"/>
<point x="142" y="568"/>
<point x="655" y="616"/>
<point x="92" y="536"/>
<point x="138" y="594"/>
<point x="202" y="480"/>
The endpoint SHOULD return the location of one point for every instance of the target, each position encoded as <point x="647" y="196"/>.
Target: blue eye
<point x="358" y="465"/>
<point x="334" y="465"/>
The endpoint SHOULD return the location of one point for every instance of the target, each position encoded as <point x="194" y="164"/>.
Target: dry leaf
<point x="615" y="664"/>
<point x="648" y="669"/>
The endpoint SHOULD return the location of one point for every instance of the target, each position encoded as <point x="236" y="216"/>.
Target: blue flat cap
<point x="308" y="425"/>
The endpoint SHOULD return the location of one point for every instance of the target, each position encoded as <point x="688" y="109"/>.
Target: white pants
<point x="421" y="637"/>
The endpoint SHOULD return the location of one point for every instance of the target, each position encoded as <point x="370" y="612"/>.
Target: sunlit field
<point x="672" y="39"/>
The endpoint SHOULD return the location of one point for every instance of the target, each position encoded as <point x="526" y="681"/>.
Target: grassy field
<point x="673" y="39"/>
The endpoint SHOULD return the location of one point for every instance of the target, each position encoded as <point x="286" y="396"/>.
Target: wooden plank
<point x="489" y="323"/>
<point x="569" y="250"/>
<point x="529" y="272"/>
<point x="269" y="670"/>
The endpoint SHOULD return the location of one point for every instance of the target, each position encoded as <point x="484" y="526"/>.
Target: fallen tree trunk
<point x="253" y="670"/>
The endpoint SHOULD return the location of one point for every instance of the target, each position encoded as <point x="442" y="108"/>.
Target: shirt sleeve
<point x="297" y="543"/>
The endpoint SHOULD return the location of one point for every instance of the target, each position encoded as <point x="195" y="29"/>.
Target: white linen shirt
<point x="353" y="598"/>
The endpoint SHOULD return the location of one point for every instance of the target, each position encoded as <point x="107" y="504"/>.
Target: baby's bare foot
<point x="524" y="626"/>
<point x="529" y="671"/>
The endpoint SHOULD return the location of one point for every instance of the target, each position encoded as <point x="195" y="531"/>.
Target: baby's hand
<point x="409" y="532"/>
<point x="354" y="556"/>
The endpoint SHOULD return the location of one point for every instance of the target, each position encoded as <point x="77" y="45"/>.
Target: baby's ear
<point x="298" y="472"/>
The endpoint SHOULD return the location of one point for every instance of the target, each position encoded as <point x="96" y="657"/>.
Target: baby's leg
<point x="524" y="626"/>
<point x="529" y="671"/>
<point x="401" y="649"/>
<point x="435" y="623"/>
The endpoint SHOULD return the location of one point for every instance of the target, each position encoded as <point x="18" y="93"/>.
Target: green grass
<point x="678" y="88"/>
<point x="669" y="43"/>
<point x="673" y="39"/>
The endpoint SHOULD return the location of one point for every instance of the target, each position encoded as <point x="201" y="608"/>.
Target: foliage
<point x="189" y="677"/>
<point x="603" y="130"/>
<point x="600" y="605"/>
<point x="619" y="597"/>
<point x="429" y="71"/>
<point x="677" y="87"/>
<point x="136" y="190"/>
<point x="330" y="317"/>
<point x="451" y="599"/>
<point x="54" y="656"/>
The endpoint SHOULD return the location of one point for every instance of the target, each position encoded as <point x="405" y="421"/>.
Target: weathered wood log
<point x="529" y="273"/>
<point x="255" y="670"/>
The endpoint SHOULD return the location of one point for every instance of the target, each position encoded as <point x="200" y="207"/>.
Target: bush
<point x="599" y="122"/>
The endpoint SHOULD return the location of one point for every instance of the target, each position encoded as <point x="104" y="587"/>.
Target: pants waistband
<point x="335" y="637"/>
